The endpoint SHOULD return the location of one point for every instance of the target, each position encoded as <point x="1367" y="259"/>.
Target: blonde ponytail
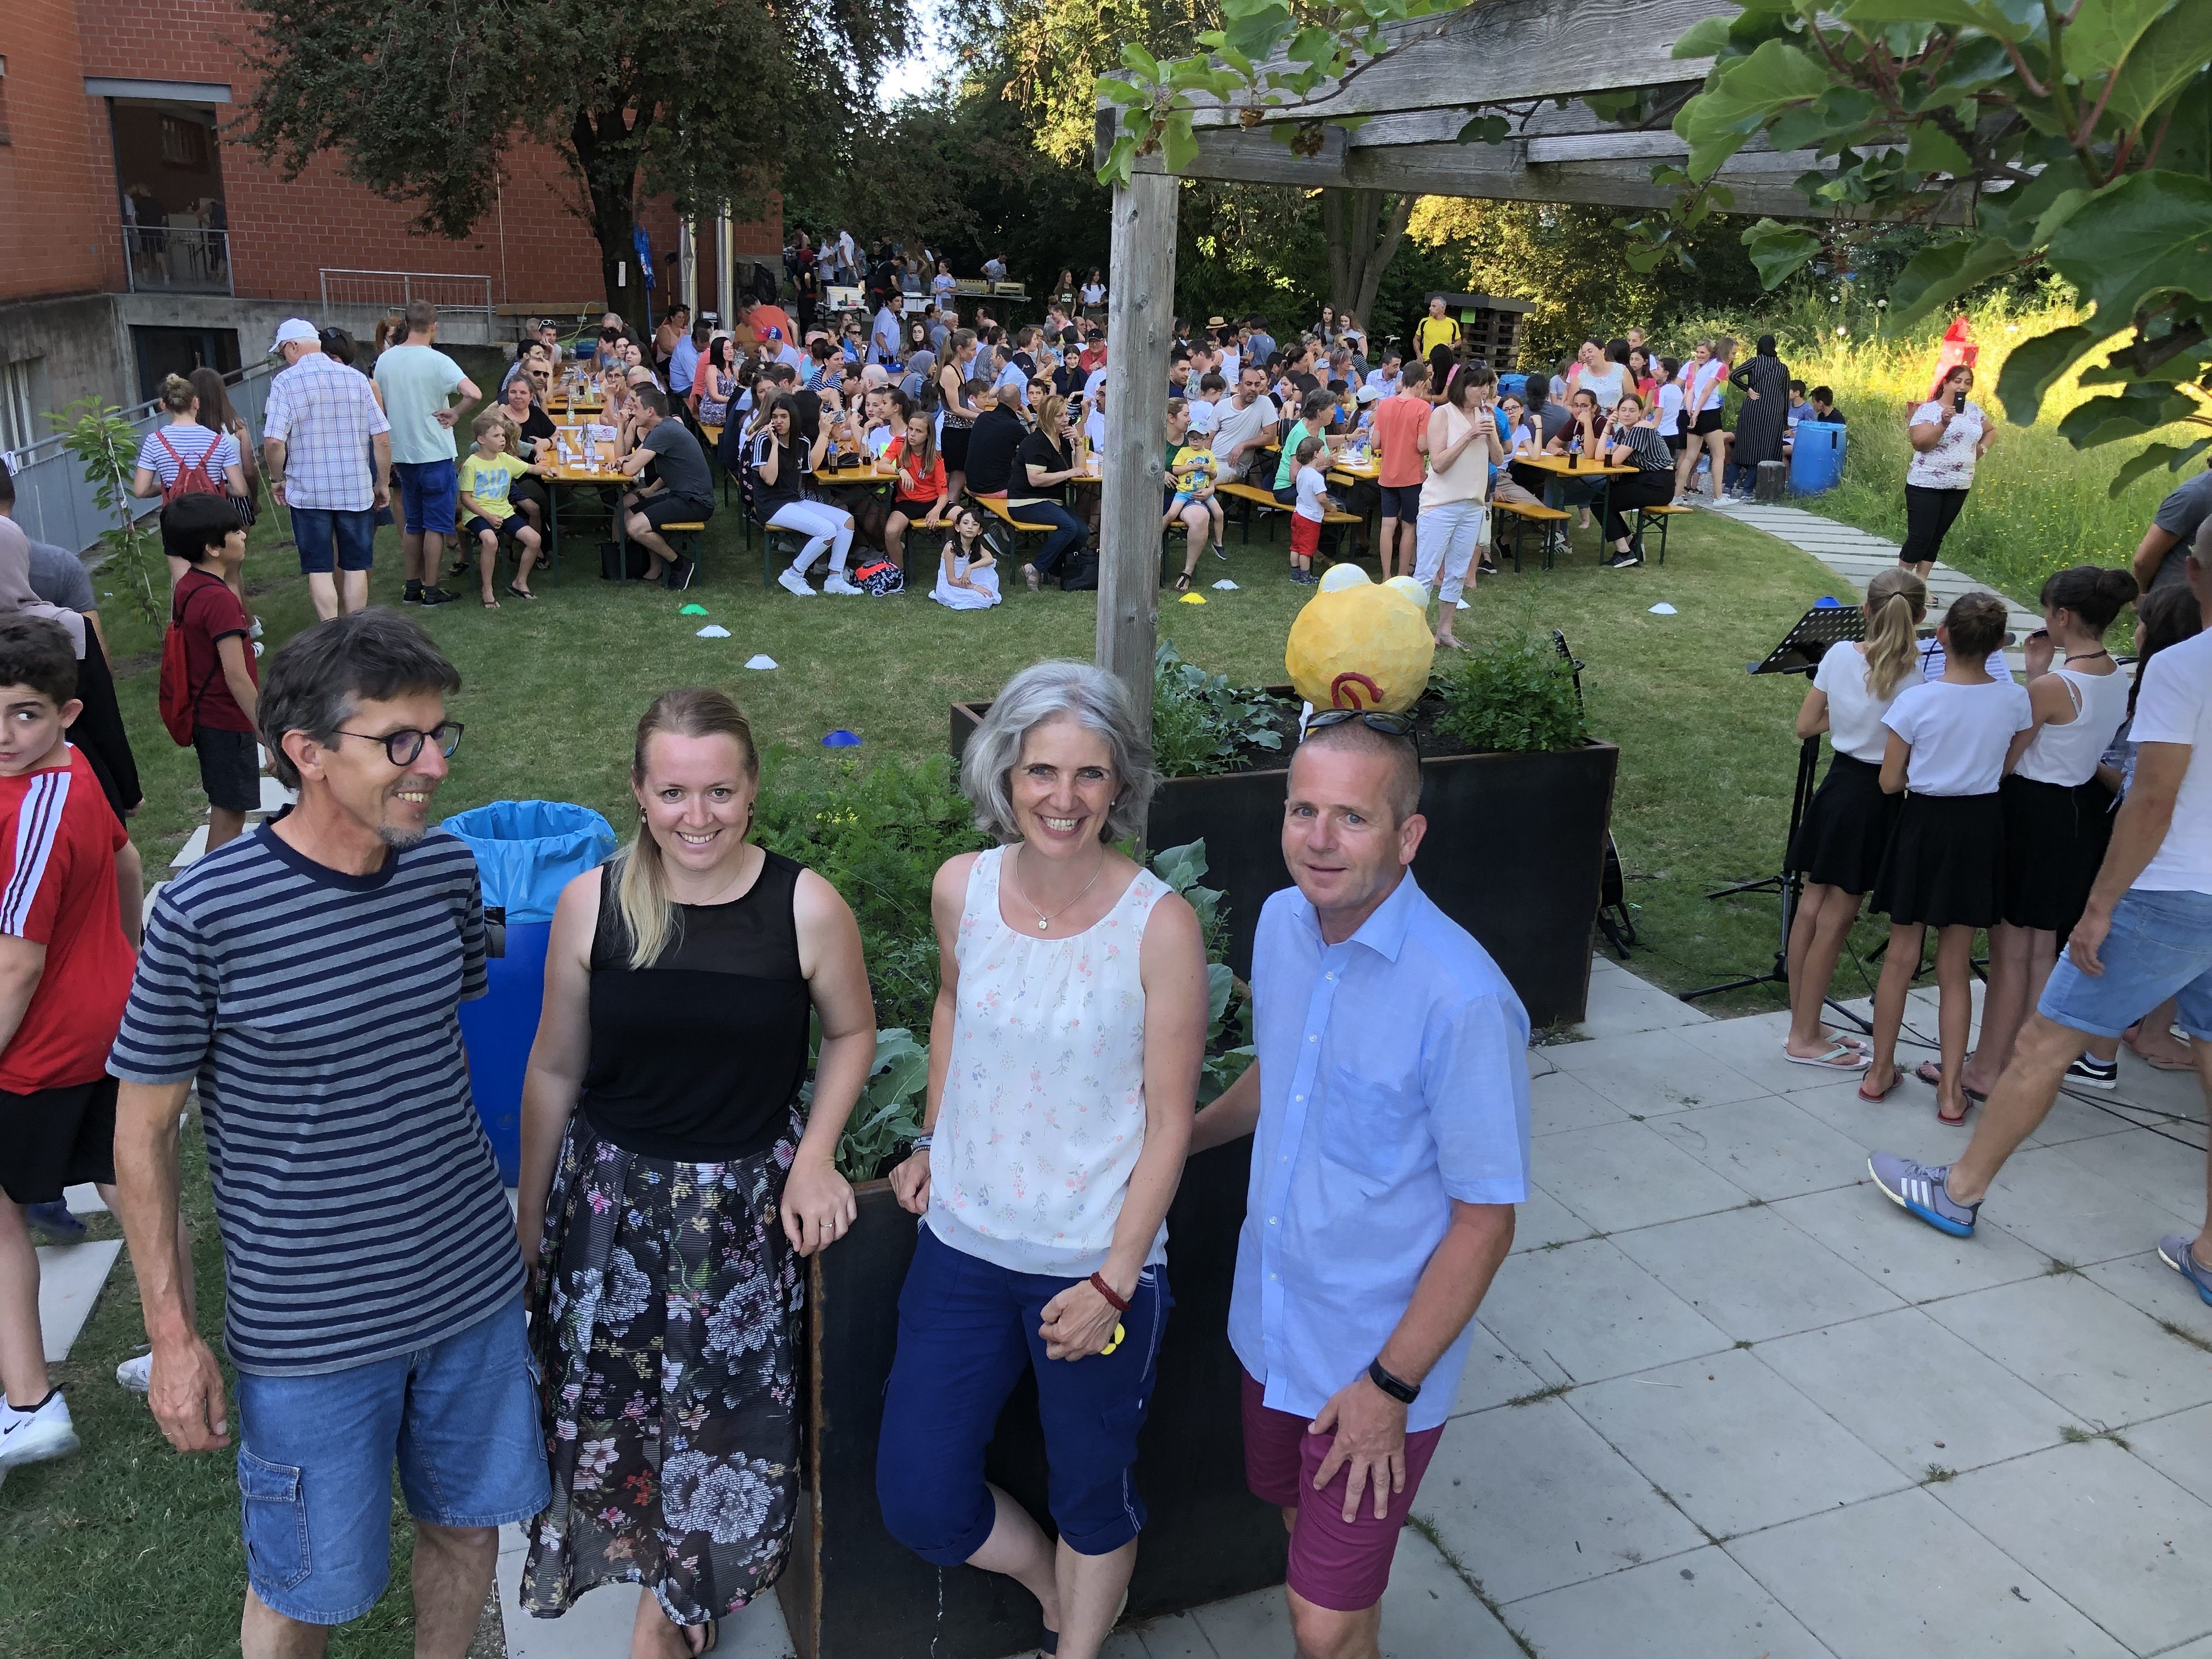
<point x="1896" y="600"/>
<point x="648" y="915"/>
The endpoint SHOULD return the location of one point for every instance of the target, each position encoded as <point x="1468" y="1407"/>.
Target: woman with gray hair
<point x="1063" y="1068"/>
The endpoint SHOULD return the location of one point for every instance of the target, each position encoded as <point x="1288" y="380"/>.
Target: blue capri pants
<point x="966" y="1331"/>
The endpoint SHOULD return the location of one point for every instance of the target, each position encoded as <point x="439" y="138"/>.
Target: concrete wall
<point x="71" y="345"/>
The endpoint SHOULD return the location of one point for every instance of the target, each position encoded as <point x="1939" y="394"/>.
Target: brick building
<point x="139" y="238"/>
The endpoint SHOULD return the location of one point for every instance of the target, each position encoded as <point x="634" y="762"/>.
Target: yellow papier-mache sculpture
<point x="1359" y="646"/>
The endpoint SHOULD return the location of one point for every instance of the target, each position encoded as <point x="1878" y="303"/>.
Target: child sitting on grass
<point x="1311" y="511"/>
<point x="487" y="485"/>
<point x="967" y="576"/>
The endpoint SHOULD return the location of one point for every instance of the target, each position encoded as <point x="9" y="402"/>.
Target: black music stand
<point x="1799" y="652"/>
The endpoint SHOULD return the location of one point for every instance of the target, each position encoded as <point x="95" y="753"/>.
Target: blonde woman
<point x="1840" y="843"/>
<point x="666" y="1192"/>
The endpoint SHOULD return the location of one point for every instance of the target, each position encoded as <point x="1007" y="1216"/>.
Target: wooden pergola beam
<point x="1506" y="50"/>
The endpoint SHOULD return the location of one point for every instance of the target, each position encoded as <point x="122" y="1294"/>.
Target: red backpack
<point x="193" y="478"/>
<point x="180" y="699"/>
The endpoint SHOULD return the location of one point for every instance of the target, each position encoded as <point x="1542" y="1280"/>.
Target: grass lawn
<point x="129" y="1549"/>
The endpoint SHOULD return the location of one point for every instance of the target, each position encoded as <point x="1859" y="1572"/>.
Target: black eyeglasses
<point x="1395" y="725"/>
<point x="404" y="745"/>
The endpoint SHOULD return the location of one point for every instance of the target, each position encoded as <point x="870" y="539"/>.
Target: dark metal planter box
<point x="854" y="1592"/>
<point x="1515" y="854"/>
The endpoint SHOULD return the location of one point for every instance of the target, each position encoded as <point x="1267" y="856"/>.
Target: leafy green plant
<point x="1201" y="723"/>
<point x="1228" y="1011"/>
<point x="877" y="833"/>
<point x="2076" y="133"/>
<point x="1512" y="695"/>
<point x="888" y="1115"/>
<point x="107" y="444"/>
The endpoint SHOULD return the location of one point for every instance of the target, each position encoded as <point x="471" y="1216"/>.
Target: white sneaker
<point x="838" y="584"/>
<point x="136" y="1373"/>
<point x="254" y="632"/>
<point x="36" y="1436"/>
<point x="792" y="582"/>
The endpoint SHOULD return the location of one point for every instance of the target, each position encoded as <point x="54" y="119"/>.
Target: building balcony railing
<point x="165" y="259"/>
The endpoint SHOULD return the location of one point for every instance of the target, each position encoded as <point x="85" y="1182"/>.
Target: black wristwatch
<point x="1403" y="1391"/>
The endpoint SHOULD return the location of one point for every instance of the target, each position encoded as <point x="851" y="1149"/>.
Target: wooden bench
<point x="1663" y="513"/>
<point x="1528" y="513"/>
<point x="1253" y="496"/>
<point x="688" y="541"/>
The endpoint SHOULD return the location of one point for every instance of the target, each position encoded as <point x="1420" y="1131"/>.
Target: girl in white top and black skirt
<point x="2057" y="817"/>
<point x="1846" y="828"/>
<point x="1950" y="742"/>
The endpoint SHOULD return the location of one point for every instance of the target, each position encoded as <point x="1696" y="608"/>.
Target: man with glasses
<point x="308" y="977"/>
<point x="1389" y="1104"/>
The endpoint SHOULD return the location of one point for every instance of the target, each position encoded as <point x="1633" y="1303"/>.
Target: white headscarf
<point x="16" y="597"/>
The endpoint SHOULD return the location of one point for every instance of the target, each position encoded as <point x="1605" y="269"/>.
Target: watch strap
<point x="1398" y="1389"/>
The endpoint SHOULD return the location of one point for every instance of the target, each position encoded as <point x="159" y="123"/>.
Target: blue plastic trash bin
<point x="526" y="851"/>
<point x="1513" y="385"/>
<point x="1816" y="457"/>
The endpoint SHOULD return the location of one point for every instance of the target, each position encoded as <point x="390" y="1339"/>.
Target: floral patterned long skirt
<point x="667" y="1335"/>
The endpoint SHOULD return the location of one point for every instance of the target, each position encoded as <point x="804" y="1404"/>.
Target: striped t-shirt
<point x="361" y="1210"/>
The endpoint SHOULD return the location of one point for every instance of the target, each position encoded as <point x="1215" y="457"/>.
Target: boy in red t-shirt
<point x="1399" y="424"/>
<point x="69" y="880"/>
<point x="204" y="530"/>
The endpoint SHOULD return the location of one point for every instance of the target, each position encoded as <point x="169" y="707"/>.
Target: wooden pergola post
<point x="1139" y="323"/>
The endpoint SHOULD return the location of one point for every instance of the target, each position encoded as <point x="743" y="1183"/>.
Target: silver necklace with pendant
<point x="1045" y="921"/>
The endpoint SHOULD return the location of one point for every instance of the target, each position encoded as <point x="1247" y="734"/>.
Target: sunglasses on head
<point x="1394" y="725"/>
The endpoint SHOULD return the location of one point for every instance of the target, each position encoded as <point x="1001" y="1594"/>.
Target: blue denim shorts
<point x="432" y="492"/>
<point x="2160" y="946"/>
<point x="327" y="538"/>
<point x="966" y="1330"/>
<point x="315" y="1455"/>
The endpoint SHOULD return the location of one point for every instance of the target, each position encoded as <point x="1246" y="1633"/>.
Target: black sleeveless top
<point x="699" y="1057"/>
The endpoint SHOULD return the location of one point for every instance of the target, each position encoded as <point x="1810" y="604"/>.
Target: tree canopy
<point x="716" y="102"/>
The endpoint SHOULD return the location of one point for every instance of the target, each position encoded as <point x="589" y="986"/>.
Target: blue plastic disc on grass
<point x="1826" y="602"/>
<point x="840" y="739"/>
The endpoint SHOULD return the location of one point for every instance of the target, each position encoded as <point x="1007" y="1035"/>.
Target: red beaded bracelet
<point x="1121" y="1304"/>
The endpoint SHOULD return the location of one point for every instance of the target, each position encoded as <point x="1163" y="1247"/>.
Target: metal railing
<point x="163" y="260"/>
<point x="54" y="502"/>
<point x="392" y="290"/>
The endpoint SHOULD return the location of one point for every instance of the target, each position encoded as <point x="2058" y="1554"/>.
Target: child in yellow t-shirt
<point x="1194" y="471"/>
<point x="487" y="484"/>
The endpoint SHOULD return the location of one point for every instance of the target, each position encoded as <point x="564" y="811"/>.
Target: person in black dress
<point x="670" y="1183"/>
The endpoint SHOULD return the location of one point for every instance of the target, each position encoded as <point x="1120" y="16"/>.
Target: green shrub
<point x="877" y="833"/>
<point x="1514" y="695"/>
<point x="1201" y="723"/>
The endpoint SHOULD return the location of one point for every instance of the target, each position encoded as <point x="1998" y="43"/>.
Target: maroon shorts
<point x="1305" y="535"/>
<point x="1342" y="1565"/>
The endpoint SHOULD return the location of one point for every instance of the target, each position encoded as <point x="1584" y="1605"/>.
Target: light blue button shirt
<point x="1394" y="1079"/>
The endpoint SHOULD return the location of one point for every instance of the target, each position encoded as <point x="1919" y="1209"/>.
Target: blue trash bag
<point x="526" y="851"/>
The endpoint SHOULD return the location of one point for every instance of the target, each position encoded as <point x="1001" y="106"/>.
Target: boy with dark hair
<point x="219" y="680"/>
<point x="69" y="877"/>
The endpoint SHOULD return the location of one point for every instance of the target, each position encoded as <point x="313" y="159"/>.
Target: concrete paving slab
<point x="1492" y="1376"/>
<point x="2045" y="1196"/>
<point x="1753" y="1046"/>
<point x="2179" y="1448"/>
<point x="1544" y="1220"/>
<point x="1698" y="1606"/>
<point x="2109" y="1533"/>
<point x="1587" y="1311"/>
<point x="2082" y="1346"/>
<point x="84" y="1199"/>
<point x="1620" y="1004"/>
<point x="1560" y="1101"/>
<point x="1754" y="1275"/>
<point x="1917" y="1394"/>
<point x="1625" y="1174"/>
<point x="1733" y="1444"/>
<point x="2145" y="1282"/>
<point x="69" y="1277"/>
<point x="2073" y="1118"/>
<point x="1917" y="1263"/>
<point x="1176" y="1637"/>
<point x="1767" y="1146"/>
<point x="1655" y="1072"/>
<point x="2169" y="1175"/>
<point x="1428" y="1612"/>
<point x="1530" y="1497"/>
<point x="599" y="1623"/>
<point x="1903" y="1575"/>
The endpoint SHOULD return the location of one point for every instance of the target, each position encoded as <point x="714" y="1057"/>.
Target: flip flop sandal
<point x="520" y="593"/>
<point x="1182" y="583"/>
<point x="1840" y="1057"/>
<point x="492" y="604"/>
<point x="1896" y="1077"/>
<point x="2158" y="1064"/>
<point x="1959" y="1121"/>
<point x="714" y="1635"/>
<point x="1931" y="1072"/>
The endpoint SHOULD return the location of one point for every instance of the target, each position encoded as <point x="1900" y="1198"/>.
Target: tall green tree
<point x="716" y="102"/>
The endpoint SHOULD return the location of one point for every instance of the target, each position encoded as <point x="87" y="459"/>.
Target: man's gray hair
<point x="1093" y="699"/>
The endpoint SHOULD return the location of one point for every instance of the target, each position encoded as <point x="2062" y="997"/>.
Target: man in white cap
<point x="327" y="450"/>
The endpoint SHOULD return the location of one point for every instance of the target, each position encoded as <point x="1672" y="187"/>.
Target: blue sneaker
<point x="1919" y="1189"/>
<point x="55" y="1222"/>
<point x="2174" y="1249"/>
